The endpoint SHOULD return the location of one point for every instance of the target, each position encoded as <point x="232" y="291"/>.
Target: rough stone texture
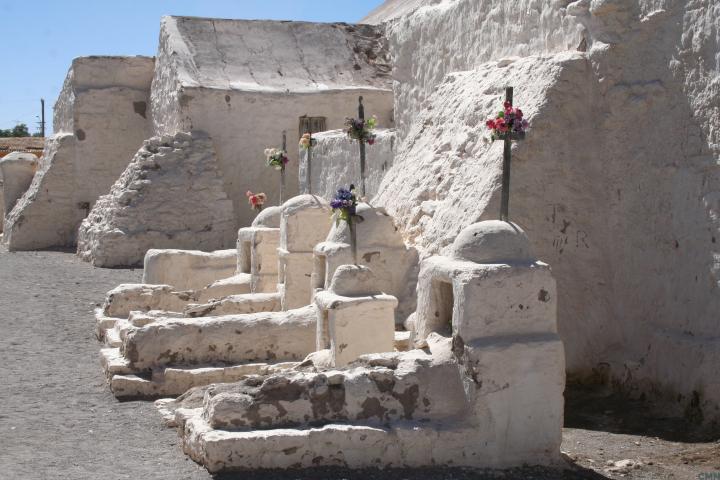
<point x="16" y="173"/>
<point x="224" y="77"/>
<point x="413" y="390"/>
<point x="170" y="196"/>
<point x="188" y="269"/>
<point x="336" y="162"/>
<point x="228" y="339"/>
<point x="629" y="221"/>
<point x="89" y="150"/>
<point x="458" y="35"/>
<point x="130" y="297"/>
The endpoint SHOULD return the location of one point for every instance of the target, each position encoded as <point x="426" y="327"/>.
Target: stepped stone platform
<point x="477" y="395"/>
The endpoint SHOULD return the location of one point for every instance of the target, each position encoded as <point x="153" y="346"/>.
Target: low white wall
<point x="188" y="269"/>
<point x="336" y="162"/>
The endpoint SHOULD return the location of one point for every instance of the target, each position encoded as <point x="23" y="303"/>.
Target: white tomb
<point x="354" y="317"/>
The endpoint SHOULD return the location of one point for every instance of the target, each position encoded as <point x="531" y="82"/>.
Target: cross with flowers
<point x="507" y="126"/>
<point x="363" y="131"/>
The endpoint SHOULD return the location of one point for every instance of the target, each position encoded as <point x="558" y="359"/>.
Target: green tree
<point x="20" y="130"/>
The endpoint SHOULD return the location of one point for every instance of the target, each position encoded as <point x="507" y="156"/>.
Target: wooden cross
<point x="282" y="168"/>
<point x="353" y="239"/>
<point x="361" y="117"/>
<point x="308" y="177"/>
<point x="507" y="154"/>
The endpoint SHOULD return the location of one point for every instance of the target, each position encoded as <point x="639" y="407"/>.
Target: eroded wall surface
<point x="335" y="163"/>
<point x="104" y="106"/>
<point x="616" y="183"/>
<point x="169" y="196"/>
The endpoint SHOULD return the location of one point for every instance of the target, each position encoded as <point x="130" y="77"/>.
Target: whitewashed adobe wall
<point x="226" y="78"/>
<point x="170" y="196"/>
<point x="455" y="35"/>
<point x="626" y="215"/>
<point x="104" y="106"/>
<point x="335" y="162"/>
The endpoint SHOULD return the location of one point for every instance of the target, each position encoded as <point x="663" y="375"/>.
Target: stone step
<point x="331" y="445"/>
<point x="113" y="362"/>
<point x="175" y="381"/>
<point x="112" y="338"/>
<point x="235" y="285"/>
<point x="103" y="323"/>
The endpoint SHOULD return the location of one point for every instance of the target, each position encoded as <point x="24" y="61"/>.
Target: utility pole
<point x="42" y="117"/>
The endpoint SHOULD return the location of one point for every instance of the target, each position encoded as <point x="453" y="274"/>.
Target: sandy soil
<point x="58" y="419"/>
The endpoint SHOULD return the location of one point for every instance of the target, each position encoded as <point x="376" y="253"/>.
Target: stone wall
<point x="170" y="196"/>
<point x="217" y="76"/>
<point x="616" y="184"/>
<point x="101" y="146"/>
<point x="336" y="162"/>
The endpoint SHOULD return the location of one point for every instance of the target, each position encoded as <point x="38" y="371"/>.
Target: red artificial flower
<point x="371" y="141"/>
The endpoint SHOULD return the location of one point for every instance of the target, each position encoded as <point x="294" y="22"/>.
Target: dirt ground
<point x="58" y="419"/>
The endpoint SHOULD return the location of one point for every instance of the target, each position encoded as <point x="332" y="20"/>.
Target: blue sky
<point x="41" y="37"/>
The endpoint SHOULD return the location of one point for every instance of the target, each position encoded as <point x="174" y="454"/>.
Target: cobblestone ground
<point x="58" y="419"/>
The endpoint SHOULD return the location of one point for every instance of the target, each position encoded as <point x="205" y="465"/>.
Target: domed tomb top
<point x="492" y="241"/>
<point x="354" y="281"/>
<point x="269" y="217"/>
<point x="301" y="202"/>
<point x="375" y="228"/>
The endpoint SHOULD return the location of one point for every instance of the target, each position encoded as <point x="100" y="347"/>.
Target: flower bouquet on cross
<point x="256" y="200"/>
<point x="361" y="130"/>
<point x="307" y="142"/>
<point x="508" y="123"/>
<point x="344" y="205"/>
<point x="276" y="158"/>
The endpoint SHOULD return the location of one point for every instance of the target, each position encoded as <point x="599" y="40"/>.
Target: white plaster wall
<point x="444" y="36"/>
<point x="336" y="162"/>
<point x="393" y="9"/>
<point x="169" y="196"/>
<point x="41" y="219"/>
<point x="226" y="78"/>
<point x="616" y="184"/>
<point x="104" y="104"/>
<point x="250" y="122"/>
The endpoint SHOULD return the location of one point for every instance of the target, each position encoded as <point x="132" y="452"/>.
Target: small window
<point x="311" y="125"/>
<point x="443" y="304"/>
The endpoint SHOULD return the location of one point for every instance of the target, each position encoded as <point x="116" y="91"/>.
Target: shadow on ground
<point x="572" y="473"/>
<point x="598" y="408"/>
